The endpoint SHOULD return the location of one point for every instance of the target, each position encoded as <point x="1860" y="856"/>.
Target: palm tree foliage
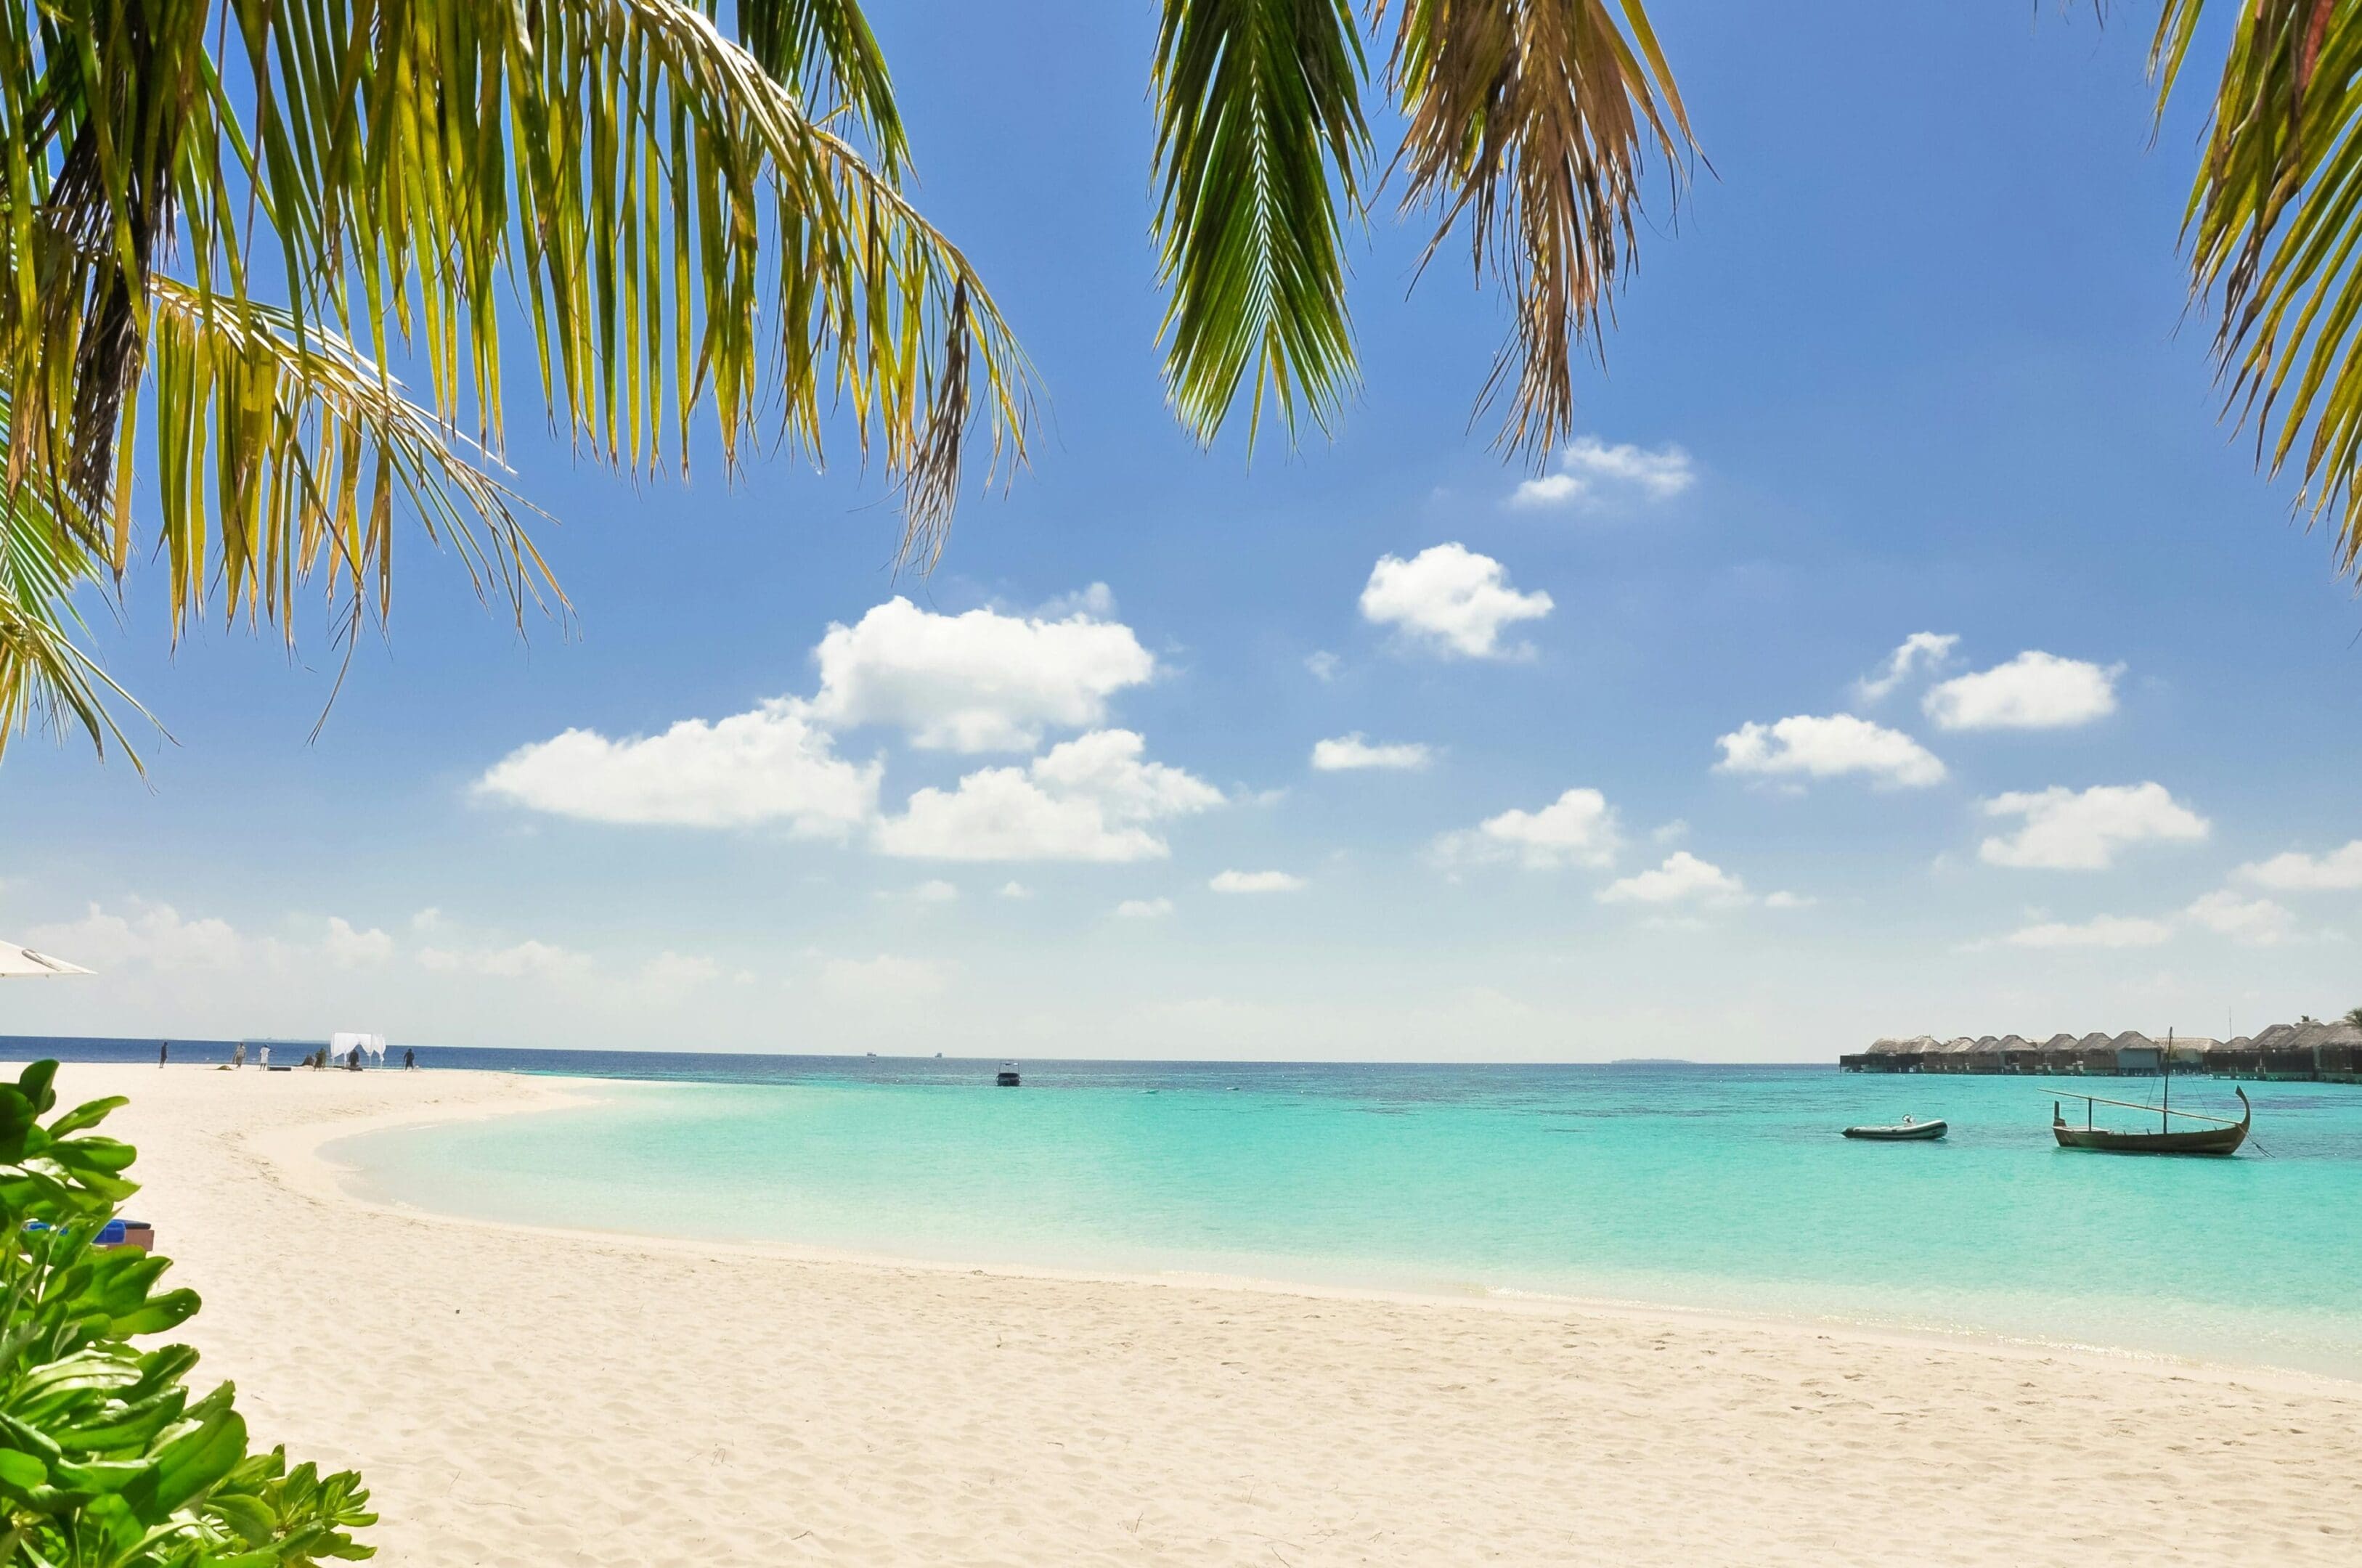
<point x="224" y="224"/>
<point x="2274" y="221"/>
<point x="223" y="221"/>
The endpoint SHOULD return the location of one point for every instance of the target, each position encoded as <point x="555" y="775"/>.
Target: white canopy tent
<point x="19" y="962"/>
<point x="342" y="1043"/>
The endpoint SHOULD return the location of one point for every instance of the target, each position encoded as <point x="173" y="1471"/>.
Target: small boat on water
<point x="2221" y="1135"/>
<point x="1903" y="1131"/>
<point x="1007" y="1077"/>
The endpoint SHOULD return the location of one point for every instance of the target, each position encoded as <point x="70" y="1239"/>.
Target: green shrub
<point x="106" y="1460"/>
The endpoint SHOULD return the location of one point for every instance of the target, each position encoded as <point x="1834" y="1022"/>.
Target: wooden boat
<point x="2223" y="1136"/>
<point x="1901" y="1133"/>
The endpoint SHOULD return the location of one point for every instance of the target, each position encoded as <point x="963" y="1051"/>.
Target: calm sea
<point x="1711" y="1187"/>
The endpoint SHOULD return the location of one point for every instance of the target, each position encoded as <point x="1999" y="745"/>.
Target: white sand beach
<point x="521" y="1396"/>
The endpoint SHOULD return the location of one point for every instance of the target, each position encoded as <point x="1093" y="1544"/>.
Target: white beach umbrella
<point x="15" y="962"/>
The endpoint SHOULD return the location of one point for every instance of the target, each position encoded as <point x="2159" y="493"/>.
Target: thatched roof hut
<point x="2337" y="1053"/>
<point x="2137" y="1053"/>
<point x="2096" y="1053"/>
<point x="2060" y="1054"/>
<point x="2285" y="1050"/>
<point x="2188" y="1052"/>
<point x="2235" y="1058"/>
<point x="2019" y="1054"/>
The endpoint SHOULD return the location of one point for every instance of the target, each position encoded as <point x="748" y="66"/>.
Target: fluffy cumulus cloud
<point x="1092" y="797"/>
<point x="1348" y="752"/>
<point x="774" y="765"/>
<point x="348" y="948"/>
<point x="1682" y="879"/>
<point x="1255" y="882"/>
<point x="1579" y="828"/>
<point x="978" y="681"/>
<point x="2104" y="931"/>
<point x="2068" y="830"/>
<point x="1449" y="599"/>
<point x="1919" y="651"/>
<point x="2250" y="923"/>
<point x="152" y="935"/>
<point x="1826" y="748"/>
<point x="2035" y="690"/>
<point x="2339" y="870"/>
<point x="1593" y="469"/>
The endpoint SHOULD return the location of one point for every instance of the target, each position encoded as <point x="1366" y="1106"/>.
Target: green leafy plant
<point x="2354" y="1016"/>
<point x="107" y="1460"/>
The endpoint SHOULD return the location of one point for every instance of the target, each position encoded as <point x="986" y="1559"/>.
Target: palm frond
<point x="1531" y="120"/>
<point x="46" y="678"/>
<point x="825" y="50"/>
<point x="1260" y="143"/>
<point x="279" y="456"/>
<point x="2274" y="220"/>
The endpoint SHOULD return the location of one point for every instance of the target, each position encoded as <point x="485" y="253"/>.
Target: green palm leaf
<point x="2274" y="220"/>
<point x="1260" y="143"/>
<point x="1531" y="120"/>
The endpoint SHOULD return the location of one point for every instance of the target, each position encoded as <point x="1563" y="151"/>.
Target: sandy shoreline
<point x="519" y="1396"/>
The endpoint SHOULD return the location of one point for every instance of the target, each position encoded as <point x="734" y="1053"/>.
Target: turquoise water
<point x="1710" y="1187"/>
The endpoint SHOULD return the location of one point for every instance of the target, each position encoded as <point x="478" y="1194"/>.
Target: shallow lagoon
<point x="1721" y="1187"/>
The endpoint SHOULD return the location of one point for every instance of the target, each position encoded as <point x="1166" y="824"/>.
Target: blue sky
<point x="1913" y="359"/>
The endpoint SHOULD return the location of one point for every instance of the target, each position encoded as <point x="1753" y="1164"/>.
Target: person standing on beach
<point x="409" y="1059"/>
<point x="163" y="1049"/>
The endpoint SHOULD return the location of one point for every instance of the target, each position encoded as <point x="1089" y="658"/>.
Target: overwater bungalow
<point x="2137" y="1054"/>
<point x="2019" y="1054"/>
<point x="2285" y="1052"/>
<point x="1957" y="1052"/>
<point x="2235" y="1058"/>
<point x="1985" y="1054"/>
<point x="2337" y="1055"/>
<point x="2059" y="1054"/>
<point x="2188" y="1052"/>
<point x="2095" y="1053"/>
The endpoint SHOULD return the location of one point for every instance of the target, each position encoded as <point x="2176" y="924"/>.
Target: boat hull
<point x="1913" y="1132"/>
<point x="2222" y="1140"/>
<point x="2213" y="1141"/>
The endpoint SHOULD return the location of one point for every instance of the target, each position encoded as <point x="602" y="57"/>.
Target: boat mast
<point x="2165" y="1066"/>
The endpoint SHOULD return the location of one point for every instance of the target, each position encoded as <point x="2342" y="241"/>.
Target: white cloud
<point x="1549" y="490"/>
<point x="529" y="959"/>
<point x="2069" y="831"/>
<point x="1787" y="900"/>
<point x="1015" y="890"/>
<point x="2035" y="690"/>
<point x="2339" y="870"/>
<point x="1097" y="600"/>
<point x="1450" y="599"/>
<point x="2104" y="931"/>
<point x="1682" y="877"/>
<point x="152" y="935"/>
<point x="1089" y="798"/>
<point x="1823" y="747"/>
<point x="346" y="948"/>
<point x="1143" y="909"/>
<point x="979" y="681"/>
<point x="934" y="892"/>
<point x="773" y="765"/>
<point x="1351" y="751"/>
<point x="1920" y="650"/>
<point x="1255" y="882"/>
<point x="1590" y="466"/>
<point x="1323" y="665"/>
<point x="884" y="981"/>
<point x="2251" y="922"/>
<point x="1579" y="828"/>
